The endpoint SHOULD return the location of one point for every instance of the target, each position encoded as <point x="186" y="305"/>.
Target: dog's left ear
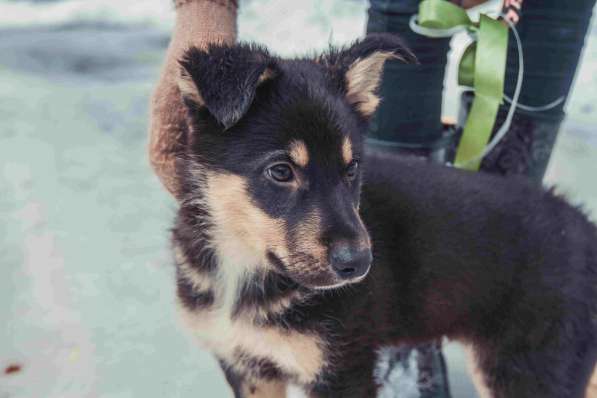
<point x="224" y="79"/>
<point x="358" y="69"/>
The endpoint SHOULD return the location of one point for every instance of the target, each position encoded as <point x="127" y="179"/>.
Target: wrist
<point x="225" y="3"/>
<point x="200" y="22"/>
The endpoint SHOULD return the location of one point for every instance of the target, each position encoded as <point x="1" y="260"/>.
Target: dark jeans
<point x="552" y="33"/>
<point x="410" y="112"/>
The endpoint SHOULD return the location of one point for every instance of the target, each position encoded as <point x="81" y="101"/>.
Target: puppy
<point x="300" y="254"/>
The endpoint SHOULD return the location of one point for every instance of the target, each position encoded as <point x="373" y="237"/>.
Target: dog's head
<point x="274" y="155"/>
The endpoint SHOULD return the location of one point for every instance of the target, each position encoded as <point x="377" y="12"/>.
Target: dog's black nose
<point x="350" y="262"/>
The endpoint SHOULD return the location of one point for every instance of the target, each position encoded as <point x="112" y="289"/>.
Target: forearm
<point x="198" y="23"/>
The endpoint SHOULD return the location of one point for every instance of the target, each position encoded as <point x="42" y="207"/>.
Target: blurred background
<point x="86" y="276"/>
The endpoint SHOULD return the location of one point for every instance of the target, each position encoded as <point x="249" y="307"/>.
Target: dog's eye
<point x="351" y="169"/>
<point x="280" y="172"/>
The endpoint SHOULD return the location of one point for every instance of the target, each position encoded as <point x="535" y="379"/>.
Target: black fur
<point x="496" y="262"/>
<point x="238" y="71"/>
<point x="262" y="289"/>
<point x="190" y="297"/>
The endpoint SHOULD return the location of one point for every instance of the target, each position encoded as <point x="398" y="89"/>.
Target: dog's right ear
<point x="357" y="69"/>
<point x="224" y="79"/>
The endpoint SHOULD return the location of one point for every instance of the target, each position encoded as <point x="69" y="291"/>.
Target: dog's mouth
<point x="325" y="279"/>
<point x="343" y="282"/>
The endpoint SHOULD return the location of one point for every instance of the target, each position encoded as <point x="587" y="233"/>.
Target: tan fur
<point x="261" y="313"/>
<point x="299" y="355"/>
<point x="476" y="374"/>
<point x="299" y="153"/>
<point x="242" y="232"/>
<point x="363" y="78"/>
<point x="347" y="150"/>
<point x="200" y="282"/>
<point x="266" y="75"/>
<point x="264" y="389"/>
<point x="188" y="89"/>
<point x="592" y="387"/>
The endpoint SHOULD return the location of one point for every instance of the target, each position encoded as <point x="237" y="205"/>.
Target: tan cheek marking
<point x="299" y="153"/>
<point x="363" y="78"/>
<point x="241" y="231"/>
<point x="298" y="354"/>
<point x="347" y="150"/>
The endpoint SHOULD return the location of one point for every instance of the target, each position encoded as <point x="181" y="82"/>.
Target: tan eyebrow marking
<point x="298" y="153"/>
<point x="347" y="150"/>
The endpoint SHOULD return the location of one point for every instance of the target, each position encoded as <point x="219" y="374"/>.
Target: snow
<point x="157" y="13"/>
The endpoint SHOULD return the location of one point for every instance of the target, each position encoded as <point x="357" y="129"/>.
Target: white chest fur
<point x="299" y="355"/>
<point x="296" y="354"/>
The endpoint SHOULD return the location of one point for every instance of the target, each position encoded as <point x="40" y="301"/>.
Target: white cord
<point x="541" y="108"/>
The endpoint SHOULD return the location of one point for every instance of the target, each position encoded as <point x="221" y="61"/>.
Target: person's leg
<point x="552" y="34"/>
<point x="409" y="116"/>
<point x="198" y="23"/>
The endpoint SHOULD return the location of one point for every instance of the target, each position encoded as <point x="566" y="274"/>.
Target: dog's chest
<point x="245" y="345"/>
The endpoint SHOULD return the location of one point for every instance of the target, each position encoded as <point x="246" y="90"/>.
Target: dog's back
<point x="493" y="261"/>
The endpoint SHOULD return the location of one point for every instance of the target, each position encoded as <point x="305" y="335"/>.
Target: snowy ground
<point x="86" y="286"/>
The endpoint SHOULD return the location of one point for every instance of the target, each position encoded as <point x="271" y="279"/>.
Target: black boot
<point x="525" y="149"/>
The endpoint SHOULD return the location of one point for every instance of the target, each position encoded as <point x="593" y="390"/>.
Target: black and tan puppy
<point x="300" y="255"/>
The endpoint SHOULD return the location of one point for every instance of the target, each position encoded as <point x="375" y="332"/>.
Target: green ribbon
<point x="440" y="14"/>
<point x="483" y="66"/>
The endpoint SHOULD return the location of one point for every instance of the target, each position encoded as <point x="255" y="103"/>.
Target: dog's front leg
<point x="246" y="387"/>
